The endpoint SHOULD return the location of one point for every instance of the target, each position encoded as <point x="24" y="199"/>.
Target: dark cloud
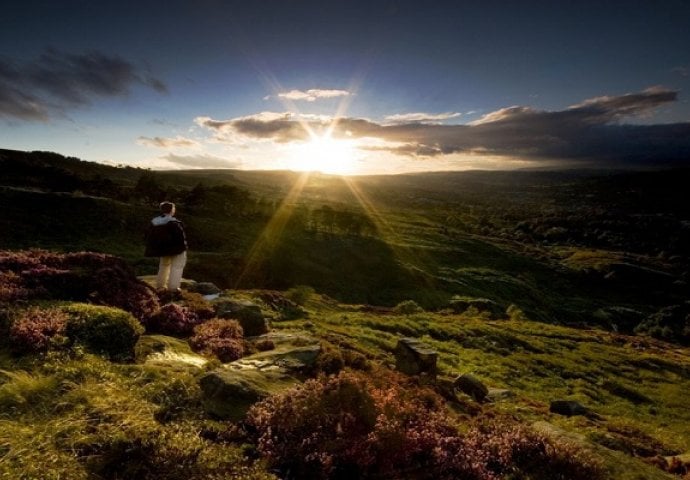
<point x="163" y="142"/>
<point x="57" y="81"/>
<point x="202" y="161"/>
<point x="589" y="131"/>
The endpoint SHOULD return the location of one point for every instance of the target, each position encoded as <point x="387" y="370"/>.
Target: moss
<point x="104" y="330"/>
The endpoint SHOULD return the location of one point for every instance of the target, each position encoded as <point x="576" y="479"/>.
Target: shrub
<point x="83" y="276"/>
<point x="172" y="319"/>
<point x="197" y="304"/>
<point x="104" y="330"/>
<point x="408" y="307"/>
<point x="36" y="329"/>
<point x="222" y="338"/>
<point x="671" y="324"/>
<point x="265" y="345"/>
<point x="355" y="426"/>
<point x="300" y="294"/>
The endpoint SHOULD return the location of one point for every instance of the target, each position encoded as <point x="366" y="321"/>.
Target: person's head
<point x="167" y="208"/>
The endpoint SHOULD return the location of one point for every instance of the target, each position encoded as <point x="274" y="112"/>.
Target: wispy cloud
<point x="163" y="142"/>
<point x="201" y="161"/>
<point x="592" y="130"/>
<point x="420" y="117"/>
<point x="311" y="95"/>
<point x="56" y="81"/>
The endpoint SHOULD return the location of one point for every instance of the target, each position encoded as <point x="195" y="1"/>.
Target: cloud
<point x="162" y="142"/>
<point x="591" y="131"/>
<point x="57" y="81"/>
<point x="421" y="117"/>
<point x="312" y="94"/>
<point x="201" y="161"/>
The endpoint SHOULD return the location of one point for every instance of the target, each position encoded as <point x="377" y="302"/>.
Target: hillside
<point x="606" y="248"/>
<point x="118" y="388"/>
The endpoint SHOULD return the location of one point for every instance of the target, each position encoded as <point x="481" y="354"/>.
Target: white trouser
<point x="170" y="271"/>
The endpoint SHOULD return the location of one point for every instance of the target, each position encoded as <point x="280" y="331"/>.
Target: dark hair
<point x="167" y="207"/>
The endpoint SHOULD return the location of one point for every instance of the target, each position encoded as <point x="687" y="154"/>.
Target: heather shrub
<point x="356" y="426"/>
<point x="83" y="276"/>
<point x="408" y="307"/>
<point x="36" y="329"/>
<point x="265" y="345"/>
<point x="222" y="338"/>
<point x="300" y="294"/>
<point x="104" y="330"/>
<point x="172" y="319"/>
<point x="197" y="304"/>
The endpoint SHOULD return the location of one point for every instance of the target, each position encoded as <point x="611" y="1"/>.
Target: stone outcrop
<point x="413" y="357"/>
<point x="568" y="408"/>
<point x="228" y="392"/>
<point x="472" y="386"/>
<point x="247" y="313"/>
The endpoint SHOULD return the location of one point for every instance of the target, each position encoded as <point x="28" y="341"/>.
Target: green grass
<point x="73" y="415"/>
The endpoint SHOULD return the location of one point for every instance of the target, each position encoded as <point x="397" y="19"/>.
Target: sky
<point x="348" y="87"/>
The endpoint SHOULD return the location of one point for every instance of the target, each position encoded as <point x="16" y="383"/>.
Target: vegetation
<point x="104" y="330"/>
<point x="543" y="285"/>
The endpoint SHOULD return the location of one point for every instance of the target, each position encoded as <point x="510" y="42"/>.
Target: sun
<point x="324" y="154"/>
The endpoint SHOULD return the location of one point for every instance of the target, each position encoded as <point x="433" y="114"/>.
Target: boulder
<point x="413" y="357"/>
<point x="205" y="288"/>
<point x="568" y="408"/>
<point x="247" y="313"/>
<point x="230" y="391"/>
<point x="472" y="386"/>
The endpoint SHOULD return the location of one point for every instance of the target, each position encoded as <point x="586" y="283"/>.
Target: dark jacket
<point x="165" y="237"/>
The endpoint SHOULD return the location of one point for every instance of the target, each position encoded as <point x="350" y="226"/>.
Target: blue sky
<point x="348" y="86"/>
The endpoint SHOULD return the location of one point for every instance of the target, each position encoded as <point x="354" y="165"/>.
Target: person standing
<point x="166" y="239"/>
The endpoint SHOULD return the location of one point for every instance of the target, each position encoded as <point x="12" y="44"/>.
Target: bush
<point x="671" y="324"/>
<point x="172" y="319"/>
<point x="103" y="330"/>
<point x="83" y="276"/>
<point x="36" y="329"/>
<point x="300" y="294"/>
<point x="355" y="426"/>
<point x="222" y="338"/>
<point x="197" y="304"/>
<point x="408" y="307"/>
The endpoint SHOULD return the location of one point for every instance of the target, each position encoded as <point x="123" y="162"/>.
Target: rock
<point x="496" y="394"/>
<point x="461" y="304"/>
<point x="472" y="386"/>
<point x="205" y="288"/>
<point x="161" y="350"/>
<point x="292" y="359"/>
<point x="413" y="357"/>
<point x="247" y="313"/>
<point x="278" y="302"/>
<point x="229" y="393"/>
<point x="567" y="408"/>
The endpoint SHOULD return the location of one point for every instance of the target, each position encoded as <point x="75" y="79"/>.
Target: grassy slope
<point x="56" y="409"/>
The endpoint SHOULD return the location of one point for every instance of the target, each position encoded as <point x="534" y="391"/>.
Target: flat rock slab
<point x="413" y="357"/>
<point x="229" y="392"/>
<point x="162" y="350"/>
<point x="287" y="357"/>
